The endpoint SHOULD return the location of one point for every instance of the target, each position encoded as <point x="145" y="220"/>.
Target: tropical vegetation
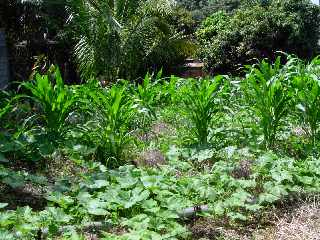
<point x="117" y="195"/>
<point x="102" y="138"/>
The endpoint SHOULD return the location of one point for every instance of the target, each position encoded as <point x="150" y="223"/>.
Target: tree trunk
<point x="4" y="63"/>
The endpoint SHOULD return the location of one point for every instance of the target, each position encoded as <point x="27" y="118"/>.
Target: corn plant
<point x="171" y="89"/>
<point x="270" y="96"/>
<point x="147" y="95"/>
<point x="115" y="110"/>
<point x="56" y="101"/>
<point x="307" y="83"/>
<point x="200" y="101"/>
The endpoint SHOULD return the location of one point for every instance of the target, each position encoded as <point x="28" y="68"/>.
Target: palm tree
<point x="116" y="38"/>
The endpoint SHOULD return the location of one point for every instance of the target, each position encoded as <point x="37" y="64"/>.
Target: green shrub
<point x="212" y="25"/>
<point x="258" y="31"/>
<point x="182" y="20"/>
<point x="200" y="9"/>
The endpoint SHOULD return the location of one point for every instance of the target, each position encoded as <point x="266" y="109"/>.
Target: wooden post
<point x="4" y="62"/>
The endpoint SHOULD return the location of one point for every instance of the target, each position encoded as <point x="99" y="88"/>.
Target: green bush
<point x="212" y="25"/>
<point x="200" y="9"/>
<point x="258" y="31"/>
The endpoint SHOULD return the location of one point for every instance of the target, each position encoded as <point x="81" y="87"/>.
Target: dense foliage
<point x="118" y="39"/>
<point x="258" y="30"/>
<point x="123" y="39"/>
<point x="201" y="9"/>
<point x="133" y="156"/>
<point x="36" y="36"/>
<point x="211" y="129"/>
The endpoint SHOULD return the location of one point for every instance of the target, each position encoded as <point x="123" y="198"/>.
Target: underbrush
<point x="144" y="162"/>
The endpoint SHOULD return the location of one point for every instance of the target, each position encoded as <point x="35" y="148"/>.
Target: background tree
<point x="258" y="29"/>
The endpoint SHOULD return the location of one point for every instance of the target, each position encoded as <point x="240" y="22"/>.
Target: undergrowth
<point x="232" y="149"/>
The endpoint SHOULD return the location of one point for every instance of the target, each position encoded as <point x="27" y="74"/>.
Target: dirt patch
<point x="151" y="158"/>
<point x="162" y="128"/>
<point x="218" y="229"/>
<point x="205" y="229"/>
<point x="116" y="230"/>
<point x="28" y="195"/>
<point x="243" y="170"/>
<point x="157" y="130"/>
<point x="61" y="166"/>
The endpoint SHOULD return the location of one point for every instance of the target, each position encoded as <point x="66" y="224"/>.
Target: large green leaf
<point x="96" y="207"/>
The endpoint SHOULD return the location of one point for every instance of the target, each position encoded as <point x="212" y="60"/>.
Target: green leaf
<point x="59" y="215"/>
<point x="267" y="197"/>
<point x="99" y="184"/>
<point x="306" y="180"/>
<point x="151" y="182"/>
<point x="127" y="182"/>
<point x="6" y="235"/>
<point x="237" y="216"/>
<point x="14" y="180"/>
<point x="219" y="208"/>
<point x="83" y="197"/>
<point x="3" y="205"/>
<point x="3" y="159"/>
<point x="96" y="207"/>
<point x="138" y="222"/>
<point x="63" y="200"/>
<point x="151" y="206"/>
<point x="138" y="195"/>
<point x="7" y="218"/>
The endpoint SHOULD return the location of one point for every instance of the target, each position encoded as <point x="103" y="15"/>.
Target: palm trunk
<point x="4" y="63"/>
